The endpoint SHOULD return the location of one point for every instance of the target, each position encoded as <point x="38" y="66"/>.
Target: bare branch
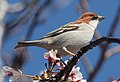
<point x="19" y="58"/>
<point x="35" y="20"/>
<point x="87" y="64"/>
<point x="115" y="22"/>
<point x="104" y="48"/>
<point x="112" y="52"/>
<point x="74" y="60"/>
<point x="84" y="5"/>
<point x="17" y="23"/>
<point x="16" y="7"/>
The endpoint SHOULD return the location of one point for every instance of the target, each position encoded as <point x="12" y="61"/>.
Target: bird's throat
<point x="93" y="24"/>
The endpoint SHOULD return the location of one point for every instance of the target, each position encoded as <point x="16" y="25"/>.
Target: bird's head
<point x="90" y="18"/>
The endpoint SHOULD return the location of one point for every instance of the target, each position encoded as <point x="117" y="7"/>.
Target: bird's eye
<point x="94" y="18"/>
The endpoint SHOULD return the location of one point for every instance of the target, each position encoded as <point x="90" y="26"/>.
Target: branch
<point x="20" y="56"/>
<point x="87" y="64"/>
<point x="83" y="50"/>
<point x="12" y="8"/>
<point x="115" y="22"/>
<point x="104" y="48"/>
<point x="35" y="21"/>
<point x="84" y="5"/>
<point x="23" y="18"/>
<point x="112" y="52"/>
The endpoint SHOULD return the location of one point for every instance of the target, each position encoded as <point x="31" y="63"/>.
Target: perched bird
<point x="68" y="39"/>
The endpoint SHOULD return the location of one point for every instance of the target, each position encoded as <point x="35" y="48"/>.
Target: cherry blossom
<point x="16" y="76"/>
<point x="36" y="81"/>
<point x="7" y="71"/>
<point x="51" y="56"/>
<point x="76" y="75"/>
<point x="115" y="81"/>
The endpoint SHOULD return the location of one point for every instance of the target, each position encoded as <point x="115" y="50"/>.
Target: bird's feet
<point x="70" y="53"/>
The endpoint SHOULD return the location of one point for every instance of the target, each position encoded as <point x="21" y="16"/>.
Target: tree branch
<point x="83" y="50"/>
<point x="104" y="48"/>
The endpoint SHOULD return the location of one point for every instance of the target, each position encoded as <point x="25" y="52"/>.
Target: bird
<point x="69" y="38"/>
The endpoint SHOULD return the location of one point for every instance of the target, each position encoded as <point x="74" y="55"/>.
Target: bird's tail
<point x="26" y="43"/>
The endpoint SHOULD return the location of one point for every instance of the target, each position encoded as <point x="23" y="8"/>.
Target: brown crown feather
<point x="86" y="17"/>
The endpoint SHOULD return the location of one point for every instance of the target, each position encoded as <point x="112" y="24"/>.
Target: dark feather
<point x="65" y="28"/>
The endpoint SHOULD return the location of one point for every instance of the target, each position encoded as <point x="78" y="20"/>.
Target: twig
<point x="73" y="61"/>
<point x="21" y="20"/>
<point x="20" y="56"/>
<point x="84" y="5"/>
<point x="112" y="52"/>
<point x="35" y="21"/>
<point x="87" y="64"/>
<point x="115" y="22"/>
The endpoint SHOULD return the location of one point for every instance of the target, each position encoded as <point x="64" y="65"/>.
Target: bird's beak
<point x="101" y="18"/>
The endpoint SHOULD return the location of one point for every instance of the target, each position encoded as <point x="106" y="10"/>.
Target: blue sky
<point x="35" y="62"/>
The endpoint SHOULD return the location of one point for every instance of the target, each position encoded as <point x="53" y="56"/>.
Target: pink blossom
<point x="115" y="81"/>
<point x="51" y="56"/>
<point x="76" y="75"/>
<point x="16" y="76"/>
<point x="7" y="71"/>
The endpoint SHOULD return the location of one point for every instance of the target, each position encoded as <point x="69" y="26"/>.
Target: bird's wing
<point x="65" y="28"/>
